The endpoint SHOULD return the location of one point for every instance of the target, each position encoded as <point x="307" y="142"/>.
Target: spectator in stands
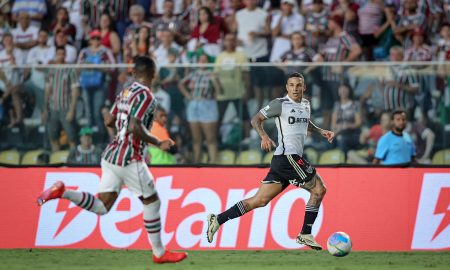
<point x="161" y="95"/>
<point x="298" y="53"/>
<point x="35" y="78"/>
<point x="61" y="40"/>
<point x="110" y="39"/>
<point x="36" y="9"/>
<point x="446" y="6"/>
<point x="385" y="34"/>
<point x="253" y="29"/>
<point x="423" y="138"/>
<point x="10" y="79"/>
<point x="167" y="43"/>
<point x="86" y="153"/>
<point x="137" y="15"/>
<point x="140" y="46"/>
<point x="92" y="11"/>
<point x="369" y="139"/>
<point x="371" y="14"/>
<point x="443" y="46"/>
<point x="348" y="10"/>
<point x="402" y="84"/>
<point x="4" y="26"/>
<point x="61" y="95"/>
<point x="218" y="19"/>
<point x="341" y="46"/>
<point x="411" y="19"/>
<point x="74" y="9"/>
<point x="396" y="147"/>
<point x="159" y="130"/>
<point x="63" y="23"/>
<point x="158" y="7"/>
<point x="43" y="159"/>
<point x="25" y="34"/>
<point x="200" y="87"/>
<point x="234" y="80"/>
<point x="206" y="34"/>
<point x="418" y="51"/>
<point x="94" y="83"/>
<point x="170" y="77"/>
<point x="316" y="25"/>
<point x="168" y="21"/>
<point x="283" y="25"/>
<point x="346" y="120"/>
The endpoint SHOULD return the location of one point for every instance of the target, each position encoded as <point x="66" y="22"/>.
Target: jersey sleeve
<point x="382" y="148"/>
<point x="273" y="109"/>
<point x="140" y="104"/>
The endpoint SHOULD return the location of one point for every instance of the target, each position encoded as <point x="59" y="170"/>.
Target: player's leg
<point x="140" y="182"/>
<point x="265" y="193"/>
<point x="317" y="189"/>
<point x="109" y="189"/>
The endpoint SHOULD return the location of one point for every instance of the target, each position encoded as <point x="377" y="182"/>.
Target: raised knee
<point x="320" y="192"/>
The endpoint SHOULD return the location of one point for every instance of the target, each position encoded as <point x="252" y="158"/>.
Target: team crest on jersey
<point x="309" y="169"/>
<point x="292" y="111"/>
<point x="126" y="93"/>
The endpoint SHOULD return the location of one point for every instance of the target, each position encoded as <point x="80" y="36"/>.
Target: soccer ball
<point x="339" y="244"/>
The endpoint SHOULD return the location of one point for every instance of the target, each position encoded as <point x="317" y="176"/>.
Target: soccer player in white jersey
<point x="288" y="166"/>
<point x="123" y="161"/>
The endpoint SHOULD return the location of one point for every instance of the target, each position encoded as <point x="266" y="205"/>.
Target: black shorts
<point x="289" y="169"/>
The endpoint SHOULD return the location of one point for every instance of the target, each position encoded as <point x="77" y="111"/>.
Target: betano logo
<point x="63" y="224"/>
<point x="432" y="230"/>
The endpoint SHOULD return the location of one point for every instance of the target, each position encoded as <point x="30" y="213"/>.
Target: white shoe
<point x="308" y="240"/>
<point x="213" y="227"/>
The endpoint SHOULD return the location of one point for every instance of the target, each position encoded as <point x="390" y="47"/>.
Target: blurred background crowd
<point x="219" y="62"/>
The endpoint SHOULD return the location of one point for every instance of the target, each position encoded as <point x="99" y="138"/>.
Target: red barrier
<point x="381" y="209"/>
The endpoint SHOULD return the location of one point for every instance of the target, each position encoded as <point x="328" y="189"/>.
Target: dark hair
<point x="444" y="25"/>
<point x="398" y="111"/>
<point x="350" y="90"/>
<point x="66" y="11"/>
<point x="144" y="66"/>
<point x="208" y="12"/>
<point x="111" y="21"/>
<point x="296" y="75"/>
<point x="43" y="158"/>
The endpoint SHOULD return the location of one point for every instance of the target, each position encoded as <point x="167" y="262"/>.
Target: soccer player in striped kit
<point x="288" y="165"/>
<point x="123" y="162"/>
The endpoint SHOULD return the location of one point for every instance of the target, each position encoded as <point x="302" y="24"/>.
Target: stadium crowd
<point x="206" y="109"/>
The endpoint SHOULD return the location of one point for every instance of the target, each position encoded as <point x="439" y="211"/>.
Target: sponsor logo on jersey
<point x="294" y="120"/>
<point x="432" y="230"/>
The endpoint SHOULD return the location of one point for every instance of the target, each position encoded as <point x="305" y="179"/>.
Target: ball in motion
<point x="339" y="244"/>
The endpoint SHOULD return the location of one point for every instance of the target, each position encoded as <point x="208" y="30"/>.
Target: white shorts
<point x="136" y="176"/>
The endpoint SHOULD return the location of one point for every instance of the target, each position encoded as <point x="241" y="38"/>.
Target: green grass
<point x="216" y="260"/>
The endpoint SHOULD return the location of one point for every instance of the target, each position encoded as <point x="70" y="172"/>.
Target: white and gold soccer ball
<point x="339" y="244"/>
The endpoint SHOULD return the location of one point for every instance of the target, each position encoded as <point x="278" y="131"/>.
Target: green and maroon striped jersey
<point x="135" y="101"/>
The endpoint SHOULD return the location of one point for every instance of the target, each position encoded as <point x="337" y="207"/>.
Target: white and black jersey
<point x="292" y="121"/>
<point x="288" y="165"/>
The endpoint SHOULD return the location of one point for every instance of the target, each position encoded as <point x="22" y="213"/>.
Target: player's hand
<point x="267" y="143"/>
<point x="70" y="115"/>
<point x="329" y="135"/>
<point x="165" y="145"/>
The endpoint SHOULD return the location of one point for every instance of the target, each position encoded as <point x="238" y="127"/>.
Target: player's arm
<point x="136" y="127"/>
<point x="109" y="117"/>
<point x="257" y="123"/>
<point x="271" y="110"/>
<point x="329" y="135"/>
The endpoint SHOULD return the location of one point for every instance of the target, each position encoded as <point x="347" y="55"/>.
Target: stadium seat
<point x="226" y="157"/>
<point x="204" y="158"/>
<point x="11" y="157"/>
<point x="441" y="157"/>
<point x="267" y="158"/>
<point x="335" y="156"/>
<point x="311" y="155"/>
<point x="59" y="157"/>
<point x="249" y="157"/>
<point x="30" y="157"/>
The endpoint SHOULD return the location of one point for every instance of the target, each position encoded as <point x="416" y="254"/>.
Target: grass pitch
<point x="37" y="259"/>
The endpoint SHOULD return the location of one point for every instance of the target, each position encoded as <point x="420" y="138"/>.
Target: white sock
<point x="152" y="225"/>
<point x="86" y="201"/>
